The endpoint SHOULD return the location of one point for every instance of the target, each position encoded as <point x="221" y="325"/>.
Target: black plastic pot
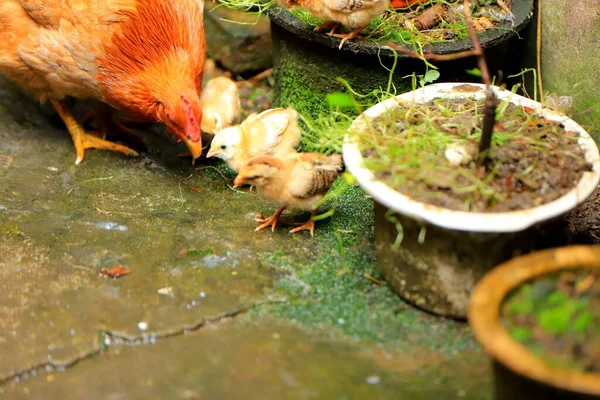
<point x="307" y="63"/>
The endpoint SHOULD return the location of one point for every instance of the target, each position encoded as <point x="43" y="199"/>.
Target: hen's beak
<point x="238" y="181"/>
<point x="195" y="148"/>
<point x="212" y="153"/>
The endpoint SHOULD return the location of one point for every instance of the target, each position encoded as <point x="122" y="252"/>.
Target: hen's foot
<point x="112" y="125"/>
<point x="271" y="221"/>
<point x="307" y="226"/>
<point x="86" y="140"/>
<point x="329" y="24"/>
<point x="347" y="36"/>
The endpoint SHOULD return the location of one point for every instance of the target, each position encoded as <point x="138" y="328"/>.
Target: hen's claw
<point x="86" y="140"/>
<point x="306" y="226"/>
<point x="271" y="221"/>
<point x="260" y="218"/>
<point x="112" y="125"/>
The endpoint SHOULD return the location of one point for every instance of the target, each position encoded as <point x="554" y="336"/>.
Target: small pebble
<point x="142" y="326"/>
<point x="202" y="294"/>
<point x="166" y="291"/>
<point x="72" y="332"/>
<point x="373" y="379"/>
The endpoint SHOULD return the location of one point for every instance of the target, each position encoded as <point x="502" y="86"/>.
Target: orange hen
<point x="142" y="57"/>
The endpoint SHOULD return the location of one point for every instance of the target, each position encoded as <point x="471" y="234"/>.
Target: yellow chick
<point x="220" y="101"/>
<point x="297" y="181"/>
<point x="272" y="132"/>
<point x="353" y="14"/>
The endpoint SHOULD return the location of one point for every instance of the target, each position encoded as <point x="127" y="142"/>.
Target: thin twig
<point x="588" y="110"/>
<point x="485" y="72"/>
<point x="491" y="101"/>
<point x="430" y="56"/>
<point x="222" y="176"/>
<point x="538" y="44"/>
<point x="255" y="80"/>
<point x="97" y="179"/>
<point x="181" y="199"/>
<point x="372" y="278"/>
<point x="259" y="77"/>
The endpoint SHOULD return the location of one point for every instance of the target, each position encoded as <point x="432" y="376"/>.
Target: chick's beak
<point x="212" y="153"/>
<point x="238" y="181"/>
<point x="195" y="148"/>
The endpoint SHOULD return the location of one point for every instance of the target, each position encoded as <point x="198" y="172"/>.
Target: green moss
<point x="294" y="87"/>
<point x="332" y="294"/>
<point x="305" y="73"/>
<point x="305" y="16"/>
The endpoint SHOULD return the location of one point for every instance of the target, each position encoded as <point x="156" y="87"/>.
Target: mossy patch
<point x="556" y="317"/>
<point x="333" y="294"/>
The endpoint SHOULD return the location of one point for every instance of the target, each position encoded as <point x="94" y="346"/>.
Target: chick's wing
<point x="349" y="6"/>
<point x="268" y="129"/>
<point x="313" y="174"/>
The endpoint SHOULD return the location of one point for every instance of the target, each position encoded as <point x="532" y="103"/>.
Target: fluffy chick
<point x="220" y="104"/>
<point x="353" y="14"/>
<point x="272" y="132"/>
<point x="297" y="181"/>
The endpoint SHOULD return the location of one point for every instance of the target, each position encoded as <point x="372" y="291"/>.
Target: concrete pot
<point x="439" y="272"/>
<point x="307" y="63"/>
<point x="518" y="373"/>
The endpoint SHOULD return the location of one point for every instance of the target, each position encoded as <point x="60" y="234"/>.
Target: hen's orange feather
<point x="162" y="38"/>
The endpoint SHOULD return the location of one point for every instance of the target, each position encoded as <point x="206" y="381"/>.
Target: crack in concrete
<point x="123" y="338"/>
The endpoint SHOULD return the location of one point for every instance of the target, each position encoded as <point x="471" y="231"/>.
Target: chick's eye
<point x="223" y="147"/>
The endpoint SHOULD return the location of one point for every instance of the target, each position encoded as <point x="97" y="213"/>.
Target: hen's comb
<point x="192" y="127"/>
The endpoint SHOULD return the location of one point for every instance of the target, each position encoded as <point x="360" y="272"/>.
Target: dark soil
<point x="532" y="161"/>
<point x="584" y="221"/>
<point x="557" y="317"/>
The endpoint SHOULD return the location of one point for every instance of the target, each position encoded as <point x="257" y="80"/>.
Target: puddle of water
<point x="108" y="226"/>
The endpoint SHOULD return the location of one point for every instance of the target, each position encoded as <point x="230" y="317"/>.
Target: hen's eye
<point x="223" y="147"/>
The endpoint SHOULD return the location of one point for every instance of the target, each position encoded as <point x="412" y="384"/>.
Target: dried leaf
<point x="114" y="272"/>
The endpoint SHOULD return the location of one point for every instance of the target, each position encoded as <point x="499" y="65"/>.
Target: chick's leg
<point x="271" y="221"/>
<point x="308" y="225"/>
<point x="328" y="24"/>
<point x="347" y="36"/>
<point x="86" y="140"/>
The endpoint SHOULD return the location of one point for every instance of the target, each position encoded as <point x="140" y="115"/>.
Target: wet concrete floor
<point x="211" y="309"/>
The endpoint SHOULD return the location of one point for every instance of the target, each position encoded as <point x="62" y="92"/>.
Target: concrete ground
<point x="211" y="309"/>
